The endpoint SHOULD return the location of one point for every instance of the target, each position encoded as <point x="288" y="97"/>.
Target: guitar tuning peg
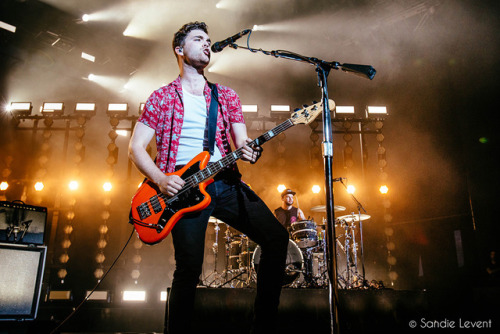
<point x="314" y="102"/>
<point x="305" y="105"/>
<point x="296" y="109"/>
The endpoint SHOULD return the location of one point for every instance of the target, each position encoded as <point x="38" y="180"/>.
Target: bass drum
<point x="294" y="262"/>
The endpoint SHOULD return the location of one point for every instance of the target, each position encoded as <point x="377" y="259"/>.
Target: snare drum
<point x="294" y="262"/>
<point x="304" y="233"/>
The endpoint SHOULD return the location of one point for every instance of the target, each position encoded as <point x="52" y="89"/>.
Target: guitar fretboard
<point x="228" y="160"/>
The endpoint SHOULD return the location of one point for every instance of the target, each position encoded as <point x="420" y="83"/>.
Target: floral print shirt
<point x="164" y="112"/>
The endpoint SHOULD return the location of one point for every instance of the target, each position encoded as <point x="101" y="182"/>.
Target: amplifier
<point x="22" y="224"/>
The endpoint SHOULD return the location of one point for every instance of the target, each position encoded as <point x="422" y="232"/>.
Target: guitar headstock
<point x="307" y="114"/>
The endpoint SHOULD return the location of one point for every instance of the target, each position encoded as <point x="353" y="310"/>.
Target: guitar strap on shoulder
<point x="212" y="120"/>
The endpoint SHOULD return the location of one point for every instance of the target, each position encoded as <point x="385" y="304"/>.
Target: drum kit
<point x="306" y="264"/>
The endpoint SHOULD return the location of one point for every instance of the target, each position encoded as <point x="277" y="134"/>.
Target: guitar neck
<point x="234" y="156"/>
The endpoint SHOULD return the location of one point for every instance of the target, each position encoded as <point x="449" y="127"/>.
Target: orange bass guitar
<point x="154" y="214"/>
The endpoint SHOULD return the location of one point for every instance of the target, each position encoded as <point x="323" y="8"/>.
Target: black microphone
<point x="218" y="46"/>
<point x="339" y="179"/>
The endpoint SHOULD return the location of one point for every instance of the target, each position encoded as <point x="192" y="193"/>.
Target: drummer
<point x="287" y="213"/>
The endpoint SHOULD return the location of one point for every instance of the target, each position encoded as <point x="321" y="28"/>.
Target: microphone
<point x="218" y="46"/>
<point x="339" y="179"/>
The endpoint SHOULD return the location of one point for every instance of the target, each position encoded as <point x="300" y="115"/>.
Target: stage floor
<point x="303" y="311"/>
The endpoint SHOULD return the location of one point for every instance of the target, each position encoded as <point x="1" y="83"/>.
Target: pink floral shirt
<point x="164" y="112"/>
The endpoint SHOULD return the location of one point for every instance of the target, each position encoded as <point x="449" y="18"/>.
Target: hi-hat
<point x="354" y="217"/>
<point x="322" y="208"/>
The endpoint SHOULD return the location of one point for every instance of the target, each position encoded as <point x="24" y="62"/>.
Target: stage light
<point x="316" y="189"/>
<point x="85" y="108"/>
<point x="21" y="108"/>
<point x="351" y="189"/>
<point x="88" y="57"/>
<point x="8" y="27"/>
<point x="282" y="108"/>
<point x="344" y="110"/>
<point x="249" y="108"/>
<point x="98" y="295"/>
<point x="39" y="186"/>
<point x="376" y="112"/>
<point x="256" y="27"/>
<point x="163" y="296"/>
<point x="134" y="296"/>
<point x="73" y="185"/>
<point x="107" y="186"/>
<point x="4" y="185"/>
<point x="384" y="189"/>
<point x="281" y="188"/>
<point x="85" y="17"/>
<point x="117" y="109"/>
<point x="91" y="77"/>
<point x="60" y="295"/>
<point x="52" y="108"/>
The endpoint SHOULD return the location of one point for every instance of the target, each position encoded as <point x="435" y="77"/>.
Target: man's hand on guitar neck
<point x="250" y="154"/>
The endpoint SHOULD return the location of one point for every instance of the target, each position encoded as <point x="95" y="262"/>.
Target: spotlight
<point x="88" y="57"/>
<point x="73" y="185"/>
<point x="60" y="295"/>
<point x="134" y="296"/>
<point x="39" y="186"/>
<point x="85" y="17"/>
<point x="4" y="185"/>
<point x="107" y="186"/>
<point x="384" y="189"/>
<point x="344" y="110"/>
<point x="7" y="27"/>
<point x="52" y="108"/>
<point x="117" y="109"/>
<point x="376" y="112"/>
<point x="85" y="109"/>
<point x="91" y="77"/>
<point x="351" y="189"/>
<point x="98" y="296"/>
<point x="278" y="108"/>
<point x="281" y="188"/>
<point x="163" y="296"/>
<point x="316" y="189"/>
<point x="21" y="108"/>
<point x="249" y="108"/>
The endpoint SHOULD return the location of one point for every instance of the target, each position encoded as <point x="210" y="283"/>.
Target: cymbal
<point x="354" y="217"/>
<point x="322" y="208"/>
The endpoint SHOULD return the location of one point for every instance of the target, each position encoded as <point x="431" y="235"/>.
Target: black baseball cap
<point x="287" y="191"/>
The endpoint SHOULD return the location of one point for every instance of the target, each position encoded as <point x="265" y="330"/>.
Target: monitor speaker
<point x="21" y="273"/>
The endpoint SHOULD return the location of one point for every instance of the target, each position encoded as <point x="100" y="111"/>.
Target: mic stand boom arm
<point x="323" y="69"/>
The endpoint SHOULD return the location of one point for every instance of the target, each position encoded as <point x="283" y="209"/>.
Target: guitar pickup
<point x="143" y="211"/>
<point x="155" y="203"/>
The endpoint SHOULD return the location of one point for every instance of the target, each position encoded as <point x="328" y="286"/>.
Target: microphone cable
<point x="95" y="287"/>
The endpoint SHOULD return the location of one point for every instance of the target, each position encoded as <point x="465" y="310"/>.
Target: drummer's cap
<point x="287" y="191"/>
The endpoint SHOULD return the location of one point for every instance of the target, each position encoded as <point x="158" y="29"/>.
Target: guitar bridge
<point x="143" y="211"/>
<point x="155" y="203"/>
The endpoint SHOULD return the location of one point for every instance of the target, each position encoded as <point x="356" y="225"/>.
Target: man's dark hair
<point x="181" y="34"/>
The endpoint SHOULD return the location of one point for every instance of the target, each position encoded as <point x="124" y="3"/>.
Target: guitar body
<point x="154" y="214"/>
<point x="154" y="217"/>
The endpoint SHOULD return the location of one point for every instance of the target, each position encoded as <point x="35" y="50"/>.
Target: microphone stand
<point x="323" y="69"/>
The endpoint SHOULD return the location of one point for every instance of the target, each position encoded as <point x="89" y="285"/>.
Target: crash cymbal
<point x="322" y="208"/>
<point x="354" y="217"/>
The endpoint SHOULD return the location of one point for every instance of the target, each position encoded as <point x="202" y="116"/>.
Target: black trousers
<point x="237" y="205"/>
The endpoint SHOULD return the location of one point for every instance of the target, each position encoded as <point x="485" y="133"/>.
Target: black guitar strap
<point x="209" y="141"/>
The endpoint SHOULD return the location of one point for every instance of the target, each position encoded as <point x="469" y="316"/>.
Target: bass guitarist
<point x="177" y="116"/>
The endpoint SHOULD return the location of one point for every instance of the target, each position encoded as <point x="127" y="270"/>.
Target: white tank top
<point x="193" y="129"/>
